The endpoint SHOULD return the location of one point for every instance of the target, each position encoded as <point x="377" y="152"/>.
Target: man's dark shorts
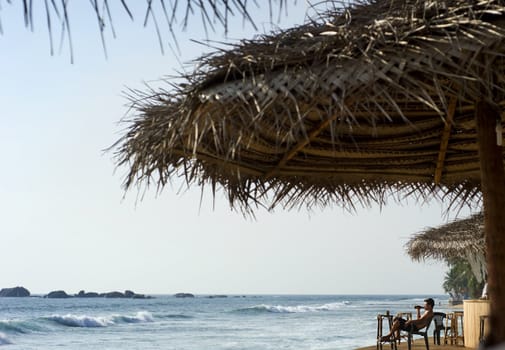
<point x="404" y="327"/>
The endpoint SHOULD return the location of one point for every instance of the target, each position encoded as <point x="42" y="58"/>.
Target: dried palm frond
<point x="369" y="101"/>
<point x="211" y="12"/>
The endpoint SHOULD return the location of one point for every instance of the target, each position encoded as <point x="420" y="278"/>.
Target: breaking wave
<point x="293" y="309"/>
<point x="99" y="321"/>
<point x="140" y="317"/>
<point x="4" y="340"/>
<point x="18" y="327"/>
<point x="10" y="326"/>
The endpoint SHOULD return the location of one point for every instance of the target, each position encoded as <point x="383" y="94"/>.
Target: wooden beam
<point x="445" y="139"/>
<point x="301" y="144"/>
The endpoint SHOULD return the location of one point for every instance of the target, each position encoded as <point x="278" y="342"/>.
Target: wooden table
<point x="380" y="330"/>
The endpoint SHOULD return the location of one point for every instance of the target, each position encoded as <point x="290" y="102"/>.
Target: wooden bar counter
<point x="473" y="309"/>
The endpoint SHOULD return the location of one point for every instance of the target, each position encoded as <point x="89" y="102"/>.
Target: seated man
<point x="400" y="324"/>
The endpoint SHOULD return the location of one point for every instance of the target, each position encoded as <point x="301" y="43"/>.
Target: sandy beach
<point x="418" y="344"/>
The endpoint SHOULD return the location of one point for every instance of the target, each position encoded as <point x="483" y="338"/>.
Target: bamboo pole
<point x="493" y="192"/>
<point x="445" y="140"/>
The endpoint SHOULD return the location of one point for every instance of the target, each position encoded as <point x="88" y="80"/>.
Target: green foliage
<point x="461" y="279"/>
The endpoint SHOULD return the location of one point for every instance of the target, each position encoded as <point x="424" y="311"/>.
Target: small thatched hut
<point x="387" y="97"/>
<point x="462" y="238"/>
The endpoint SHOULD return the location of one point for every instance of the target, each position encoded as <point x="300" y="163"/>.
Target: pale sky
<point x="66" y="222"/>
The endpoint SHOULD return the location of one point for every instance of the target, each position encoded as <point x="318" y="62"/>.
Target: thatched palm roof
<point x="462" y="238"/>
<point x="455" y="239"/>
<point x="371" y="100"/>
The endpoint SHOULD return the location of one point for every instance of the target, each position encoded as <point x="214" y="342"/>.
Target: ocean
<point x="246" y="322"/>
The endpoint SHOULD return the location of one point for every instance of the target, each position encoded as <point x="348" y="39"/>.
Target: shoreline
<point x="417" y="344"/>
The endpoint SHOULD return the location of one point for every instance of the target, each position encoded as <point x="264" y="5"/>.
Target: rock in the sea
<point x="14" y="292"/>
<point x="83" y="294"/>
<point x="184" y="295"/>
<point x="58" y="294"/>
<point x="140" y="296"/>
<point x="217" y="296"/>
<point x="130" y="294"/>
<point x="113" y="295"/>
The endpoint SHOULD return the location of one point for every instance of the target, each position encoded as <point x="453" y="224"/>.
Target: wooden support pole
<point x="493" y="192"/>
<point x="445" y="140"/>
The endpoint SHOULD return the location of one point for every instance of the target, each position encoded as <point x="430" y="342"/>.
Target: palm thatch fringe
<point x="176" y="14"/>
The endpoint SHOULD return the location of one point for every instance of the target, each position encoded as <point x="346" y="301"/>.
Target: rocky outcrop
<point x="14" y="292"/>
<point x="57" y="294"/>
<point x="184" y="295"/>
<point x="217" y="296"/>
<point x="83" y="294"/>
<point x="60" y="294"/>
<point x="127" y="294"/>
<point x="130" y="294"/>
<point x="113" y="295"/>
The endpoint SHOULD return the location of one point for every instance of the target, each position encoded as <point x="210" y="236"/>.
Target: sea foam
<point x="141" y="316"/>
<point x="99" y="321"/>
<point x="294" y="309"/>
<point x="4" y="340"/>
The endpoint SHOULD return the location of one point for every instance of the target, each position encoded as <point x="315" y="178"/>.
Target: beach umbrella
<point x="462" y="238"/>
<point x="385" y="97"/>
